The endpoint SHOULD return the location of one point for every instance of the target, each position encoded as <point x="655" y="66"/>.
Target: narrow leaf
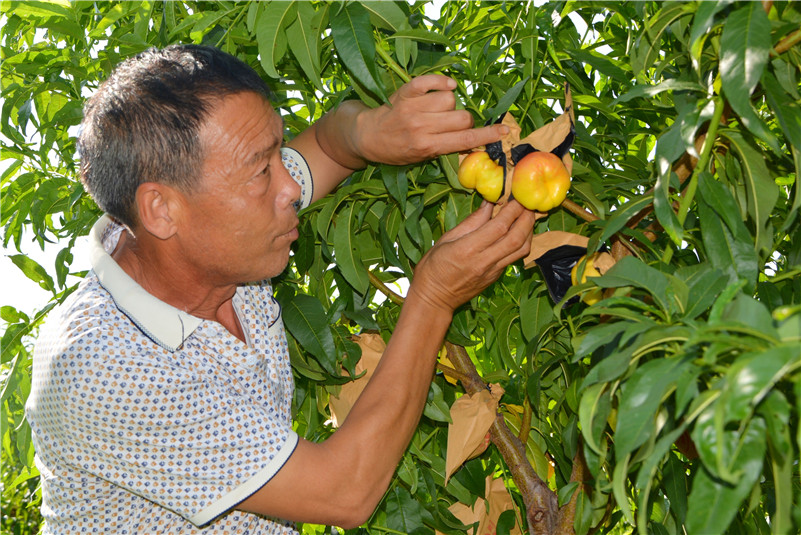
<point x="744" y="50"/>
<point x="271" y="32"/>
<point x="303" y="37"/>
<point x="386" y="14"/>
<point x="714" y="503"/>
<point x="353" y="38"/>
<point x="702" y="23"/>
<point x="641" y="395"/>
<point x="734" y="256"/>
<point x="630" y="271"/>
<point x="306" y="320"/>
<point x="34" y="271"/>
<point x="346" y="249"/>
<point x="762" y="189"/>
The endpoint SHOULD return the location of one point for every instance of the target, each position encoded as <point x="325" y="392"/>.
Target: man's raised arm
<point x="420" y="122"/>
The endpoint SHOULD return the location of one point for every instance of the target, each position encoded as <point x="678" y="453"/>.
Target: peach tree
<point x="669" y="406"/>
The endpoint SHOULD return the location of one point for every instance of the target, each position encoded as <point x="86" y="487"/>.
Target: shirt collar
<point x="163" y="323"/>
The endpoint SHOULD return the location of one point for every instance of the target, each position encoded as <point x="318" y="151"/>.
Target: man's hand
<point x="420" y="122"/>
<point x="472" y="255"/>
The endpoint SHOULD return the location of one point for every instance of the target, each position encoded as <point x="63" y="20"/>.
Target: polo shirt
<point x="147" y="419"/>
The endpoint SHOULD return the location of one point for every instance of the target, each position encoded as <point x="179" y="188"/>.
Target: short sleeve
<point x="298" y="169"/>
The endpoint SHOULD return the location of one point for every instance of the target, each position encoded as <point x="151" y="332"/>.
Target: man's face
<point x="241" y="217"/>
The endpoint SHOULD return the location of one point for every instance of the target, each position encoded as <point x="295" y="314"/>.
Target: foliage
<point x="680" y="390"/>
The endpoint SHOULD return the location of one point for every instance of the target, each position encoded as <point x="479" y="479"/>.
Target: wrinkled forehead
<point x="241" y="129"/>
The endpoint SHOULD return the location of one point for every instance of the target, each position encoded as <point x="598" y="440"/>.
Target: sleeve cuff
<point x="299" y="170"/>
<point x="249" y="487"/>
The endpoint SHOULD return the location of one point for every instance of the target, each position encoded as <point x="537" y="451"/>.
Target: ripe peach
<point x="540" y="181"/>
<point x="480" y="172"/>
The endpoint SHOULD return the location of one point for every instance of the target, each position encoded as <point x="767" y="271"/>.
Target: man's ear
<point x="158" y="208"/>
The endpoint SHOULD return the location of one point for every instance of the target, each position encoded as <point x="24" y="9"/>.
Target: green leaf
<point x="630" y="271"/>
<point x="733" y="255"/>
<point x="669" y="147"/>
<point x="307" y="321"/>
<point x="622" y="215"/>
<point x="34" y="271"/>
<point x="346" y="248"/>
<point x="303" y="37"/>
<point x="744" y="50"/>
<point x="776" y="412"/>
<point x="436" y="407"/>
<point x="594" y="408"/>
<point x="386" y="14"/>
<point x="703" y="291"/>
<point x="650" y="90"/>
<point x="751" y="377"/>
<point x="714" y="503"/>
<point x="450" y="166"/>
<point x="397" y="184"/>
<point x="33" y="9"/>
<point x="271" y="33"/>
<point x="786" y="108"/>
<point x="423" y="36"/>
<point x="353" y="38"/>
<point x="747" y="311"/>
<point x="674" y="481"/>
<point x="641" y="396"/>
<point x="760" y="186"/>
<point x="619" y="480"/>
<point x="719" y="198"/>
<point x="535" y="313"/>
<point x="702" y="23"/>
<point x="649" y="44"/>
<point x="509" y="97"/>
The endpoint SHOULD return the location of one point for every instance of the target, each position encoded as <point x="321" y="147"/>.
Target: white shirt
<point x="147" y="419"/>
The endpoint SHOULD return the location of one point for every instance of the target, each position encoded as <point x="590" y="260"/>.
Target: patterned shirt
<point x="149" y="420"/>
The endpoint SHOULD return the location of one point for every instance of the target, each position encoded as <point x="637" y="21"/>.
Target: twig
<point x="384" y="289"/>
<point x="787" y="43"/>
<point x="447" y="370"/>
<point x="525" y="421"/>
<point x="575" y="209"/>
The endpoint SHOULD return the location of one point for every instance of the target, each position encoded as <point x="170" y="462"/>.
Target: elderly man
<point x="162" y="387"/>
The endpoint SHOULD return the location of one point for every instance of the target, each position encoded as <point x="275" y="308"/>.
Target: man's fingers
<point x="470" y="224"/>
<point x="421" y="85"/>
<point x="470" y="138"/>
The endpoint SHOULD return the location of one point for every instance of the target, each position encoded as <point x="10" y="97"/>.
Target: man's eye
<point x="266" y="170"/>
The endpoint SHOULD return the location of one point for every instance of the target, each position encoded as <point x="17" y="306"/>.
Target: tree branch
<point x="540" y="501"/>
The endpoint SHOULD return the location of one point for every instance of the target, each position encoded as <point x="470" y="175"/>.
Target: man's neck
<point x="181" y="286"/>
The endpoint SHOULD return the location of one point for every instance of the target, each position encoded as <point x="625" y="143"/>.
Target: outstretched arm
<point x="420" y="122"/>
<point x="340" y="481"/>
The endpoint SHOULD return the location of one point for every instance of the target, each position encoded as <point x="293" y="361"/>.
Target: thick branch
<point x="540" y="501"/>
